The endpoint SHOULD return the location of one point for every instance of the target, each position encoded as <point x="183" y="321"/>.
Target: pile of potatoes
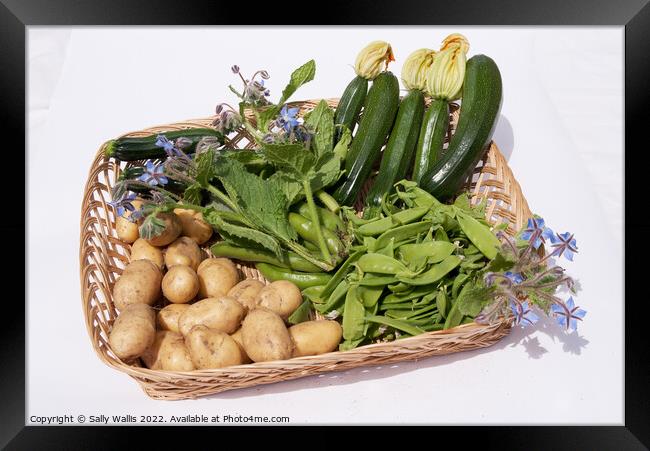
<point x="181" y="311"/>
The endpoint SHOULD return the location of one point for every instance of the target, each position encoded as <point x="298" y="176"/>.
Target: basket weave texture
<point x="103" y="256"/>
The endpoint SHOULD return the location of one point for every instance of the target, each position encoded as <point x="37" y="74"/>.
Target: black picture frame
<point x="634" y="15"/>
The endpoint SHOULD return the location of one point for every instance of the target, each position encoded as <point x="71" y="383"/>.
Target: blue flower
<point x="567" y="315"/>
<point x="288" y="118"/>
<point x="153" y="174"/>
<point x="123" y="205"/>
<point x="523" y="313"/>
<point x="536" y="227"/>
<point x="514" y="277"/>
<point x="170" y="148"/>
<point x="565" y="245"/>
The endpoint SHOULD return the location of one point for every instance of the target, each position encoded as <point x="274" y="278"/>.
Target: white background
<point x="561" y="128"/>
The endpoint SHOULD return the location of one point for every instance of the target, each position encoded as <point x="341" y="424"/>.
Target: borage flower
<point x="523" y="313"/>
<point x="565" y="245"/>
<point x="536" y="228"/>
<point x="153" y="174"/>
<point x="288" y="118"/>
<point x="123" y="205"/>
<point x="567" y="315"/>
<point x="170" y="149"/>
<point x="514" y="277"/>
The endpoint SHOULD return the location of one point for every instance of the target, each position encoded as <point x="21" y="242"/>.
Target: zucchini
<point x="133" y="172"/>
<point x="349" y="107"/>
<point x="379" y="112"/>
<point x="144" y="148"/>
<point x="482" y="95"/>
<point x="398" y="153"/>
<point x="432" y="138"/>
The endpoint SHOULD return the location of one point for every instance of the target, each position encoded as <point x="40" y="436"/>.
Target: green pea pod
<point x="441" y="302"/>
<point x="301" y="314"/>
<point x="400" y="287"/>
<point x="417" y="292"/>
<point x="433" y="327"/>
<point x="396" y="324"/>
<point x="301" y="280"/>
<point x="480" y="235"/>
<point x="369" y="295"/>
<point x="382" y="225"/>
<point x="406" y="314"/>
<point x="335" y="299"/>
<point x="431" y="251"/>
<point x="354" y="316"/>
<point x="381" y="264"/>
<point x="291" y="261"/>
<point x="459" y="281"/>
<point x="402" y="232"/>
<point x="454" y="317"/>
<point x="305" y="228"/>
<point x="375" y="281"/>
<point x="326" y="217"/>
<point x="388" y="250"/>
<point x="434" y="274"/>
<point x="441" y="235"/>
<point x="340" y="273"/>
<point x="314" y="294"/>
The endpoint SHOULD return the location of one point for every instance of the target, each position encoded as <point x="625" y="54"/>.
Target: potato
<point x="222" y="313"/>
<point x="167" y="318"/>
<point x="142" y="250"/>
<point x="133" y="332"/>
<point x="183" y="251"/>
<point x="281" y="296"/>
<point x="168" y="352"/>
<point x="245" y="292"/>
<point x="315" y="337"/>
<point x="265" y="336"/>
<point x="172" y="230"/>
<point x="193" y="225"/>
<point x="180" y="284"/>
<point x="217" y="279"/>
<point x="216" y="261"/>
<point x="240" y="341"/>
<point x="210" y="348"/>
<point x="151" y="357"/>
<point x="127" y="231"/>
<point x="138" y="284"/>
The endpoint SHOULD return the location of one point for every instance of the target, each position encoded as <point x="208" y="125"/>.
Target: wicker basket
<point x="103" y="256"/>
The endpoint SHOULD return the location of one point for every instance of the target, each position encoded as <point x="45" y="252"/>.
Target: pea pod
<point x="340" y="273"/>
<point x="406" y="314"/>
<point x="291" y="261"/>
<point x="396" y="324"/>
<point x="441" y="302"/>
<point x="434" y="274"/>
<point x="314" y="294"/>
<point x="382" y="225"/>
<point x="417" y="292"/>
<point x="402" y="232"/>
<point x="432" y="251"/>
<point x="376" y="281"/>
<point x="381" y="264"/>
<point x="301" y="314"/>
<point x="458" y="284"/>
<point x="480" y="235"/>
<point x="454" y="317"/>
<point x="354" y="316"/>
<point x="326" y="217"/>
<point x="369" y="295"/>
<point x="305" y="228"/>
<point x="334" y="299"/>
<point x="301" y="279"/>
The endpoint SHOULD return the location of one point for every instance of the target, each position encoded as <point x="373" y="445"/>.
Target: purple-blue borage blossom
<point x="288" y="118"/>
<point x="565" y="245"/>
<point x="514" y="277"/>
<point x="123" y="205"/>
<point x="523" y="313"/>
<point x="153" y="174"/>
<point x="170" y="149"/>
<point x="536" y="227"/>
<point x="568" y="315"/>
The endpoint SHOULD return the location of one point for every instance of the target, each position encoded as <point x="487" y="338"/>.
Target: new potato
<point x="139" y="284"/>
<point x="315" y="337"/>
<point x="222" y="313"/>
<point x="265" y="336"/>
<point x="167" y="318"/>
<point x="210" y="348"/>
<point x="193" y="225"/>
<point x="240" y="341"/>
<point x="168" y="352"/>
<point x="217" y="278"/>
<point x="183" y="251"/>
<point x="245" y="292"/>
<point x="281" y="296"/>
<point x="142" y="250"/>
<point x="133" y="332"/>
<point x="127" y="231"/>
<point x="180" y="284"/>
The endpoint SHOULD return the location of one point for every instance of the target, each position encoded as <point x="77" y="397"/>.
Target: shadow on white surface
<point x="504" y="137"/>
<point x="519" y="336"/>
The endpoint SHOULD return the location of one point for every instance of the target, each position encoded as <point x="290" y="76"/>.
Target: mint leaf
<point x="192" y="194"/>
<point x="289" y="186"/>
<point x="327" y="173"/>
<point x="299" y="77"/>
<point x="472" y="299"/>
<point x="204" y="167"/>
<point x="290" y="158"/>
<point x="321" y="120"/>
<point x="265" y="240"/>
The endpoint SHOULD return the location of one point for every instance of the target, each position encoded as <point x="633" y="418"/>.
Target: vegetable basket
<point x="103" y="256"/>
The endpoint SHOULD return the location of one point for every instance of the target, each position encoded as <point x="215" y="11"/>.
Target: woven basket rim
<point x="148" y="377"/>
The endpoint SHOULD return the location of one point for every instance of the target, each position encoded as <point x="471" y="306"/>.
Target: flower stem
<point x="315" y="222"/>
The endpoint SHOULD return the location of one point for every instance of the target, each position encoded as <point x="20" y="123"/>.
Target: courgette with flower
<point x="444" y="83"/>
<point x="367" y="66"/>
<point x="398" y="154"/>
<point x="158" y="146"/>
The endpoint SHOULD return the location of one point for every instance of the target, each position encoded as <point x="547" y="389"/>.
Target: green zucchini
<point x="432" y="137"/>
<point x="399" y="150"/>
<point x="134" y="172"/>
<point x="482" y="94"/>
<point x="379" y="112"/>
<point x="144" y="148"/>
<point x="349" y="107"/>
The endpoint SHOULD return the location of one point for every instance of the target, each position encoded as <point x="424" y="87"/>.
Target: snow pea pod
<point x="354" y="316"/>
<point x="432" y="251"/>
<point x="396" y="324"/>
<point x="454" y="317"/>
<point x="370" y="295"/>
<point x="380" y="226"/>
<point x="441" y="302"/>
<point x="417" y="292"/>
<point x="480" y="235"/>
<point x="375" y="281"/>
<point x="314" y="294"/>
<point x="307" y="231"/>
<point x="406" y="314"/>
<point x="301" y="314"/>
<point x="301" y="279"/>
<point x="327" y="218"/>
<point x="434" y="274"/>
<point x="291" y="260"/>
<point x="457" y="285"/>
<point x="334" y="300"/>
<point x="381" y="264"/>
<point x="402" y="232"/>
<point x="340" y="273"/>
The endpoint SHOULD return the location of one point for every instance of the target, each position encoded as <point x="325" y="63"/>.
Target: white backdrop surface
<point x="561" y="128"/>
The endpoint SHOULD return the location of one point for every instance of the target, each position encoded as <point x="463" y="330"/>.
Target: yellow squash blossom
<point x="416" y="66"/>
<point x="373" y="59"/>
<point x="446" y="75"/>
